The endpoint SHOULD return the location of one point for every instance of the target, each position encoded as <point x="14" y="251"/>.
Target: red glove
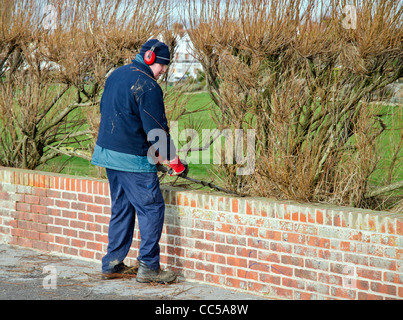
<point x="177" y="168"/>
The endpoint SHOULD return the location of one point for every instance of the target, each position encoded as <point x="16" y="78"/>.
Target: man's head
<point x="156" y="54"/>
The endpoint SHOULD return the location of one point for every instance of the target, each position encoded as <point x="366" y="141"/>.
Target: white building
<point x="184" y="64"/>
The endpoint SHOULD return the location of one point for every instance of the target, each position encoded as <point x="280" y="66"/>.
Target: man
<point x="132" y="118"/>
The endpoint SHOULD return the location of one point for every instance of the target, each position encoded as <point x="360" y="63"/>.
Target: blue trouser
<point x="131" y="193"/>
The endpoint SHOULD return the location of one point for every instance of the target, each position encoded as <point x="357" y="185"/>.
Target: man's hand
<point x="178" y="168"/>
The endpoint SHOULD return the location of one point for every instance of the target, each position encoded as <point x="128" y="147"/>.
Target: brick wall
<point x="279" y="249"/>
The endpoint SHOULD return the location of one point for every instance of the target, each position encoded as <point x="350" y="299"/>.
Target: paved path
<point x="25" y="274"/>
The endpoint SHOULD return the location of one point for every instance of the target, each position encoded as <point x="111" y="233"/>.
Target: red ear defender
<point x="149" y="57"/>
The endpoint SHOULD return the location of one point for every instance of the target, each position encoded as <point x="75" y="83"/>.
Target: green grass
<point x="386" y="146"/>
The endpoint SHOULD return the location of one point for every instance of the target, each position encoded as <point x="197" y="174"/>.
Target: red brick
<point x="39" y="227"/>
<point x="295" y="261"/>
<point x="191" y="233"/>
<point x="62" y="240"/>
<point x="205" y="246"/>
<point x="45" y="201"/>
<point x="330" y="279"/>
<point x="4" y="196"/>
<point x="383" y="288"/>
<point x="225" y="270"/>
<point x="237" y="262"/>
<point x="30" y="234"/>
<point x="300" y="295"/>
<point x="381" y="263"/>
<point x="343" y="293"/>
<point x="102" y="200"/>
<point x="280" y="247"/>
<point x="269" y="256"/>
<point x="399" y="227"/>
<point x="98" y="188"/>
<point x="248" y="207"/>
<point x="94" y="208"/>
<point x="252" y="231"/>
<point x="46" y="237"/>
<point x="368" y="296"/>
<point x="85" y="198"/>
<point x="369" y="274"/>
<point x="204" y="225"/>
<point x="54" y="229"/>
<point x="70" y="250"/>
<point x="215" y="278"/>
<point x="101" y="238"/>
<point x="93" y="227"/>
<point x="319" y="216"/>
<point x="248" y="274"/>
<point x="69" y="214"/>
<point x="303" y="216"/>
<point x="43" y="181"/>
<point x="337" y="220"/>
<point x="318" y="242"/>
<point x="86" y="235"/>
<point x="215" y="258"/>
<point x="53" y="194"/>
<point x="225" y="249"/>
<point x="23" y="207"/>
<point x="24" y="242"/>
<point x="102" y="219"/>
<point x="77" y="224"/>
<point x="306" y="274"/>
<point x="281" y="292"/>
<point x="293" y="283"/>
<point x="78" y="206"/>
<point x="185" y="200"/>
<point x="107" y="210"/>
<point x="94" y="246"/>
<point x="226" y="227"/>
<point x="70" y="233"/>
<point x="280" y="269"/>
<point x="86" y="254"/>
<point x="393" y="277"/>
<point x="40" y="245"/>
<point x="295" y="238"/>
<point x="69" y="196"/>
<point x="235" y="205"/>
<point x="62" y="204"/>
<point x="317" y="287"/>
<point x="270" y="234"/>
<point x="269" y="277"/>
<point x="39" y="209"/>
<point x="85" y="217"/>
<point x="66" y="183"/>
<point x="295" y="216"/>
<point x="78" y="243"/>
<point x="391" y="225"/>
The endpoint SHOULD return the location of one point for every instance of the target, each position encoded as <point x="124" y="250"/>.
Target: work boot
<point x="146" y="275"/>
<point x="122" y="271"/>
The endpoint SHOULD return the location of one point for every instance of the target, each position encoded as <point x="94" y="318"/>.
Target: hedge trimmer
<point x="165" y="170"/>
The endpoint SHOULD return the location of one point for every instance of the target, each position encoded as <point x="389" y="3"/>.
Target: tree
<point x="296" y="74"/>
<point x="54" y="58"/>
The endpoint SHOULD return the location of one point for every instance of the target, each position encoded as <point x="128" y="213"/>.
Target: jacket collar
<point x="140" y="64"/>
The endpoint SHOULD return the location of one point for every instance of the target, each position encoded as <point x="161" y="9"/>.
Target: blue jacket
<point x="131" y="106"/>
